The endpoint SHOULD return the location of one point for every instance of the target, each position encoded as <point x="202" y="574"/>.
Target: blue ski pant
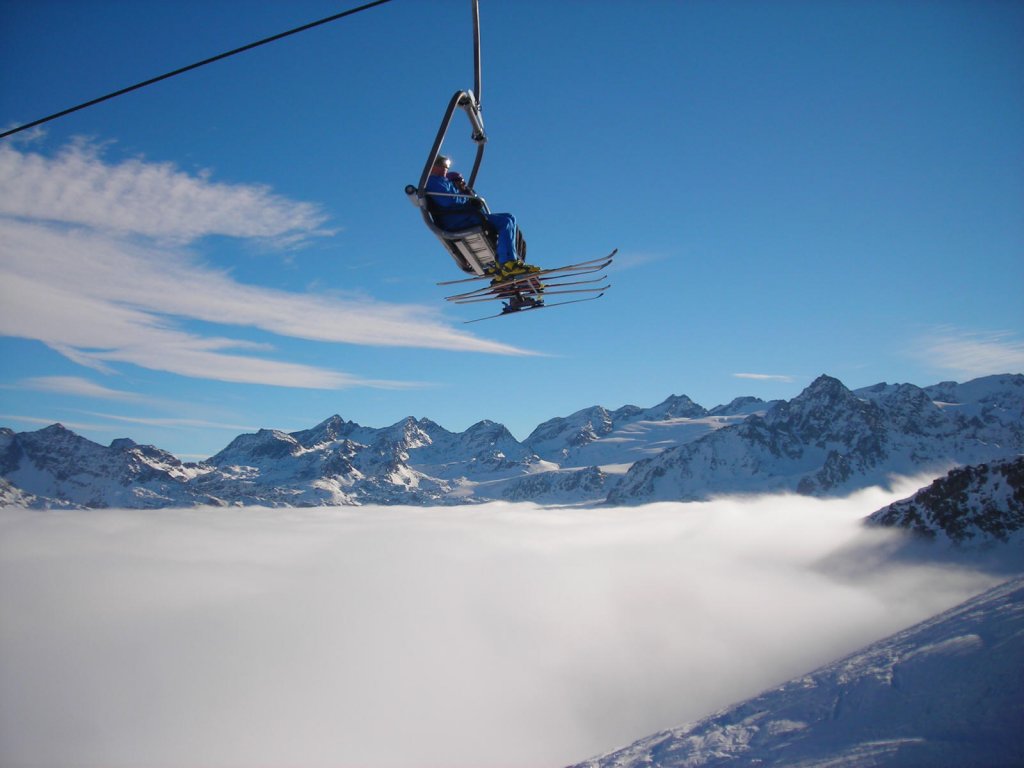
<point x="505" y="224"/>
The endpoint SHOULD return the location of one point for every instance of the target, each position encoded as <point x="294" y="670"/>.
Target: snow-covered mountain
<point x="58" y="468"/>
<point x="828" y="440"/>
<point x="970" y="505"/>
<point x="596" y="436"/>
<point x="945" y="693"/>
<point x="340" y="462"/>
<point x="335" y="462"/>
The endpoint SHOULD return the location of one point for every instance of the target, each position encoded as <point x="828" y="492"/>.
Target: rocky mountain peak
<point x="738" y="405"/>
<point x="676" y="407"/>
<point x="409" y="433"/>
<point x="488" y="427"/>
<point x="122" y="444"/>
<point x="327" y="431"/>
<point x="824" y="390"/>
<point x="825" y="412"/>
<point x="55" y="434"/>
<point x="55" y="438"/>
<point x="256" y="448"/>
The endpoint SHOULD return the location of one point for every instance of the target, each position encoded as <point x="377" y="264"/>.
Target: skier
<point x="455" y="207"/>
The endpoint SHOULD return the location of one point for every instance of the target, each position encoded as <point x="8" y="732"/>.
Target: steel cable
<point x="190" y="67"/>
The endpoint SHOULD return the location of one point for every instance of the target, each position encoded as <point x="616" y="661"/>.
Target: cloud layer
<point x="92" y="264"/>
<point x="485" y="636"/>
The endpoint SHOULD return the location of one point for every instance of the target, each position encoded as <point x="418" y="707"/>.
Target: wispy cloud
<point x="92" y="264"/>
<point x="154" y="199"/>
<point x="77" y="386"/>
<point x="765" y="377"/>
<point x="175" y="422"/>
<point x="971" y="354"/>
<point x="80" y="426"/>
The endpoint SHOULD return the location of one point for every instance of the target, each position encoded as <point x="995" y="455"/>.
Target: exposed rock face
<point x="973" y="504"/>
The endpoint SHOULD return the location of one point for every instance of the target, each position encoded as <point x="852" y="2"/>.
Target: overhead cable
<point x="190" y="67"/>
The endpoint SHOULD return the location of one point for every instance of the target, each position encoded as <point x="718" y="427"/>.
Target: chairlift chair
<point x="474" y="249"/>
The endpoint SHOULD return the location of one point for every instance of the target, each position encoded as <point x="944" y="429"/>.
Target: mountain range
<point x="829" y="440"/>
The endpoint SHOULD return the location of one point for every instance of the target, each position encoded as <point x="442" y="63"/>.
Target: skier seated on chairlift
<point x="455" y="207"/>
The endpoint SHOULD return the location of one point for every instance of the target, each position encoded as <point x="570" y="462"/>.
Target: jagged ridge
<point x="828" y="440"/>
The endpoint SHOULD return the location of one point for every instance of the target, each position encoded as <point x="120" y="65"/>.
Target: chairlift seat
<point x="474" y="249"/>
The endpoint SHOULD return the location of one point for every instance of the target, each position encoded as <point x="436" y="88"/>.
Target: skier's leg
<point x="505" y="224"/>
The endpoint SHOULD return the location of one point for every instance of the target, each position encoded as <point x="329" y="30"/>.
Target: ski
<point x="502" y="288"/>
<point x="589" y="266"/>
<point x="530" y="309"/>
<point x="601" y="288"/>
<point x="592" y="264"/>
<point x="533" y="277"/>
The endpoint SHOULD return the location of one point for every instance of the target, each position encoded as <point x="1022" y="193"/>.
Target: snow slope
<point x="947" y="692"/>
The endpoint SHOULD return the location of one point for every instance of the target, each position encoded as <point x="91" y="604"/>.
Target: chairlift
<point x="474" y="249"/>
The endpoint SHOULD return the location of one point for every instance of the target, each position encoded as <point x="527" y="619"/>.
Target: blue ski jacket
<point x="451" y="213"/>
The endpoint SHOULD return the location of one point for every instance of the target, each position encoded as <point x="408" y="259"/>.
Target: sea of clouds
<point x="496" y="635"/>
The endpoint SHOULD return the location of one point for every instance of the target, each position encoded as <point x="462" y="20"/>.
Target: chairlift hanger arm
<point x="470" y="102"/>
<point x="478" y="85"/>
<point x="466" y="101"/>
<point x="473" y="248"/>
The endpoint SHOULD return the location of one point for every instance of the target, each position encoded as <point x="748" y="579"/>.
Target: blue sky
<point x="795" y="188"/>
